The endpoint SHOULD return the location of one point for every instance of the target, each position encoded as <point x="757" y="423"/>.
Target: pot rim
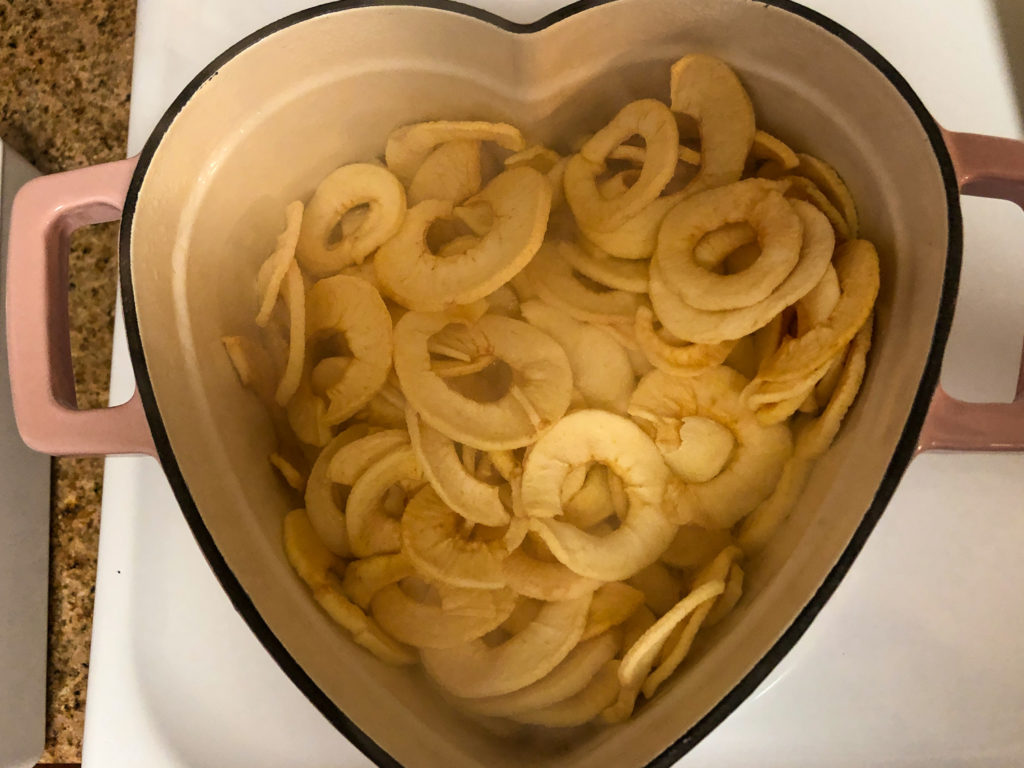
<point x="900" y="459"/>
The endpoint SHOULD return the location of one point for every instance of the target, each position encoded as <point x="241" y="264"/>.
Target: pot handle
<point x="986" y="166"/>
<point x="45" y="213"/>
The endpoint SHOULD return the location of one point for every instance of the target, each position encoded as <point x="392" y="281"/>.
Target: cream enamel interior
<point x="326" y="91"/>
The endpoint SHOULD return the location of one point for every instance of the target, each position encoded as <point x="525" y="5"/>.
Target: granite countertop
<point x="65" y="79"/>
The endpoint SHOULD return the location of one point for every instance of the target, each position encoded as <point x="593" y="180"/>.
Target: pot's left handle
<point x="986" y="166"/>
<point x="45" y="213"/>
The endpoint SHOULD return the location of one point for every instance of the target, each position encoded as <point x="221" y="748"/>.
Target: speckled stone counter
<point x="65" y="79"/>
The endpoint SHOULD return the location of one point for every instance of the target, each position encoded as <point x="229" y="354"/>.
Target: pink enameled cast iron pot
<point x="202" y="204"/>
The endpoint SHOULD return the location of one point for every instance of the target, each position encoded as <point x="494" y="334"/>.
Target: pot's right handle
<point x="986" y="166"/>
<point x="45" y="213"/>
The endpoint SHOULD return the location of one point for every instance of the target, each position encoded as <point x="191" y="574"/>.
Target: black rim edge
<point x="901" y="457"/>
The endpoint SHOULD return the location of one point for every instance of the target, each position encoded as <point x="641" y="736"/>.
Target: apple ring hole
<point x="487" y="385"/>
<point x="348" y="224"/>
<point x="449" y="236"/>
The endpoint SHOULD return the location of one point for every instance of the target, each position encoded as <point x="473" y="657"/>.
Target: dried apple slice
<point x="306" y="553"/>
<point x="386" y="409"/>
<point x="567" y="679"/>
<point x="653" y="121"/>
<point x="272" y="272"/>
<point x="659" y="587"/>
<point x="706" y="89"/>
<point x="518" y="200"/>
<point x="768" y="147"/>
<point x="801" y="188"/>
<point x="711" y="327"/>
<point x="779" y="232"/>
<point x="548" y="162"/>
<point x="641" y="656"/>
<point x="754" y="464"/>
<point x="538" y="395"/>
<point x="775" y="401"/>
<point x="350" y="461"/>
<point x="409" y="146"/>
<point x="634" y="153"/>
<point x="294" y="293"/>
<point x="580" y="438"/>
<point x="342" y="191"/>
<point x="348" y="310"/>
<point x="526" y="610"/>
<point x="478" y="670"/>
<point x="727" y="601"/>
<point x="811" y="442"/>
<point x="313" y="561"/>
<point x="538" y="157"/>
<point x="475" y="500"/>
<point x="761" y="524"/>
<point x="621" y="274"/>
<point x="716" y="573"/>
<point x="593" y="502"/>
<point x="307" y="415"/>
<point x="831" y="184"/>
<point x="553" y="277"/>
<point x="365" y="631"/>
<point x="713" y="249"/>
<point x="818" y="304"/>
<point x="815" y="438"/>
<point x="600" y="366"/>
<point x="451" y="172"/>
<point x="589" y="703"/>
<point x="637" y="237"/>
<point x="542" y="580"/>
<point x="612" y="604"/>
<point x="676" y="359"/>
<point x="856" y="265"/>
<point x="437" y="543"/>
<point x="367" y="576"/>
<point x="461" y="615"/>
<point x="326" y="514"/>
<point x="291" y="474"/>
<point x="503" y="301"/>
<point x="254" y="366"/>
<point x="372" y="527"/>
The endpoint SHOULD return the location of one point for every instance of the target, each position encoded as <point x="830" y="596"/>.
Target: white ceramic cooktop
<point x="916" y="660"/>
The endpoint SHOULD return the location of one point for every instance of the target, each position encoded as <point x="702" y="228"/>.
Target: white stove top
<point x="916" y="660"/>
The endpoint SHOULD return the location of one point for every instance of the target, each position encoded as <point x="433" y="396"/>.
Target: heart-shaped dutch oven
<point x="260" y="126"/>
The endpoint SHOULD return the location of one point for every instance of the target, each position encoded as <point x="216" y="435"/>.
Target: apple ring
<point x="539" y="394"/>
<point x="706" y="89"/>
<point x="653" y="121"/>
<point x="436" y="542"/>
<point x="451" y="172"/>
<point x="372" y="529"/>
<point x="349" y="310"/>
<point x="518" y="202"/>
<point x="409" y="146"/>
<point x="342" y="191"/>
<point x="461" y="616"/>
<point x="476" y="670"/>
<point x="753" y="464"/>
<point x="711" y="327"/>
<point x="779" y="232"/>
<point x="580" y="438"/>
